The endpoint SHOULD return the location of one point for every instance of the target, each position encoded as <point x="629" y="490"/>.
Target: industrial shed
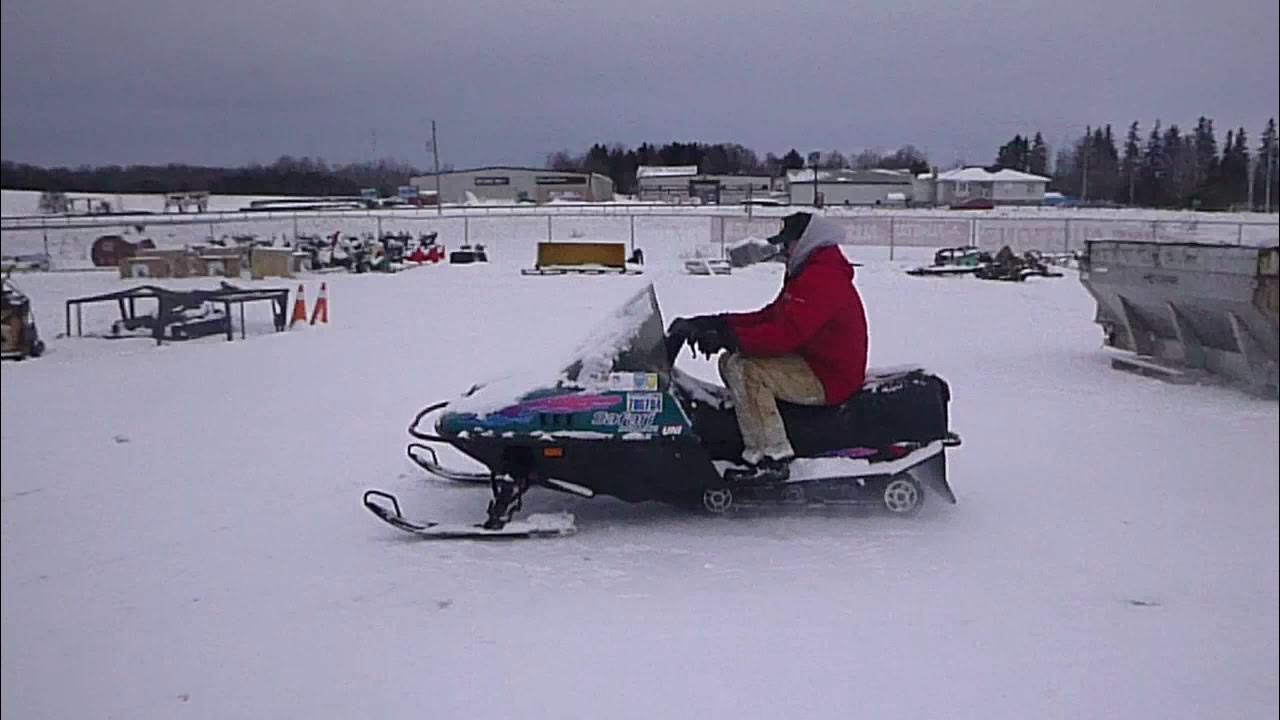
<point x="517" y="184"/>
<point x="851" y="187"/>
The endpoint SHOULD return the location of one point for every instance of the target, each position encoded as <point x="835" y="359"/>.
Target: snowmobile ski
<point x="535" y="526"/>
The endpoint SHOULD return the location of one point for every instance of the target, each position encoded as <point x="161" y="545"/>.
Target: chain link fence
<point x="663" y="233"/>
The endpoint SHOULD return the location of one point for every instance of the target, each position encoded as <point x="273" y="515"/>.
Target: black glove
<point x="714" y="335"/>
<point x="681" y="330"/>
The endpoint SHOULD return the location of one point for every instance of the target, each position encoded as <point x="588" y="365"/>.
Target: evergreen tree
<point x="1205" y="152"/>
<point x="1038" y="160"/>
<point x="1015" y="154"/>
<point x="1180" y="182"/>
<point x="1153" y="172"/>
<point x="792" y="161"/>
<point x="1233" y="171"/>
<point x="1105" y="165"/>
<point x="1129" y="166"/>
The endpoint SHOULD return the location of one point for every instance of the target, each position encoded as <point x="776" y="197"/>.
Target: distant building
<point x="1002" y="187"/>
<point x="731" y="189"/>
<point x="517" y="184"/>
<point x="664" y="183"/>
<point x="851" y="187"/>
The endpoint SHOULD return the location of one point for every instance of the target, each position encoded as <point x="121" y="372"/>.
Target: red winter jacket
<point x="819" y="316"/>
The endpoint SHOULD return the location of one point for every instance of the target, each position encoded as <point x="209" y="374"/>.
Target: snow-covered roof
<point x="666" y="170"/>
<point x="978" y="174"/>
<point x="844" y="175"/>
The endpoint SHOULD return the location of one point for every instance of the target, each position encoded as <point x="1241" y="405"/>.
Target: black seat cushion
<point x="893" y="406"/>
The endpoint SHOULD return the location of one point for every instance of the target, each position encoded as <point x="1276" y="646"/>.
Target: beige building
<point x="517" y="184"/>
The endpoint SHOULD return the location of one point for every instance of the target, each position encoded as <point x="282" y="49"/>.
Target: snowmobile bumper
<point x="933" y="473"/>
<point x="419" y="452"/>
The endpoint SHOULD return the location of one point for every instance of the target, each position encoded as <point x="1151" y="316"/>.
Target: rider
<point x="808" y="346"/>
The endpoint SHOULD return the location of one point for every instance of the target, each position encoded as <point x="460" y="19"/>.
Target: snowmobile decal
<point x="627" y="421"/>
<point x="644" y="403"/>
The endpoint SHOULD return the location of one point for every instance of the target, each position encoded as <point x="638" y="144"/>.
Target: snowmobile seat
<point x="894" y="405"/>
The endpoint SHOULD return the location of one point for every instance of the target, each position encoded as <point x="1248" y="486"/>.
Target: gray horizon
<point x="144" y="82"/>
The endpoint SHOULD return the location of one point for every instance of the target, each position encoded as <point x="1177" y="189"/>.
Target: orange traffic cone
<point x="321" y="312"/>
<point x="299" y="307"/>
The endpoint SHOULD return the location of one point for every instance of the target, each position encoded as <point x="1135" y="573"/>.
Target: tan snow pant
<point x="756" y="384"/>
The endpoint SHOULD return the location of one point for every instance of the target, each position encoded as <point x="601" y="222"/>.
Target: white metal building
<point x="851" y="187"/>
<point x="1002" y="187"/>
<point x="518" y="184"/>
<point x="730" y="189"/>
<point x="666" y="183"/>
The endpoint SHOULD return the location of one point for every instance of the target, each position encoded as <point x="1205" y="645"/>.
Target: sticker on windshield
<point x="625" y="381"/>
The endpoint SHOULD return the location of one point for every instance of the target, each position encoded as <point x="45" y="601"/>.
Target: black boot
<point x="767" y="472"/>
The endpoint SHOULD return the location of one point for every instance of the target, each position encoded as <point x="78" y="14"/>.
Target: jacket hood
<point x="820" y="233"/>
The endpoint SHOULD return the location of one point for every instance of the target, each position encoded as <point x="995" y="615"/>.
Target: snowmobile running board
<point x="542" y="525"/>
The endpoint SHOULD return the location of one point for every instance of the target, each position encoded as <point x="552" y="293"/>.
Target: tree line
<point x="286" y="176"/>
<point x="620" y="162"/>
<point x="1164" y="167"/>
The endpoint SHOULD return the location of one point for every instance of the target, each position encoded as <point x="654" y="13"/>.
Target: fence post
<point x="466" y="229"/>
<point x="721" y="238"/>
<point x="379" y="226"/>
<point x="1066" y="235"/>
<point x="1240" y="233"/>
<point x="891" y="225"/>
<point x="633" y="233"/>
<point x="1154" y="224"/>
<point x="548" y="227"/>
<point x="295" y="228"/>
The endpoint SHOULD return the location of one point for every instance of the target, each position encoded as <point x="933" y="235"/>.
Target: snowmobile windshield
<point x="630" y="340"/>
<point x="624" y="351"/>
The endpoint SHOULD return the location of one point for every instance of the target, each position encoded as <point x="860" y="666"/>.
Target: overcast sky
<point x="233" y="81"/>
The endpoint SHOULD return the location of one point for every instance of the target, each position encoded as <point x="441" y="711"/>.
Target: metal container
<point x="1184" y="310"/>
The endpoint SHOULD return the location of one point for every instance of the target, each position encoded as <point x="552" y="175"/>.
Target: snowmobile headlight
<point x="553" y="452"/>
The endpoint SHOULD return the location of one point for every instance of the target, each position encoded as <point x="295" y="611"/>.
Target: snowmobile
<point x="427" y="251"/>
<point x="954" y="261"/>
<point x="20" y="338"/>
<point x="467" y="254"/>
<point x="1009" y="267"/>
<point x="619" y="419"/>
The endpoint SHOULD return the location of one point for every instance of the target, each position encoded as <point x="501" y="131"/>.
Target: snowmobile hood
<point x="820" y="233"/>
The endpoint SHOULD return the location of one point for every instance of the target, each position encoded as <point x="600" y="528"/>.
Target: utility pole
<point x="435" y="156"/>
<point x="1084" y="176"/>
<point x="1271" y="151"/>
<point x="814" y="159"/>
<point x="1253" y="179"/>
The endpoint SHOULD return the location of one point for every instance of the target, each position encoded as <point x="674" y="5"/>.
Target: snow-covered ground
<point x="183" y="537"/>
